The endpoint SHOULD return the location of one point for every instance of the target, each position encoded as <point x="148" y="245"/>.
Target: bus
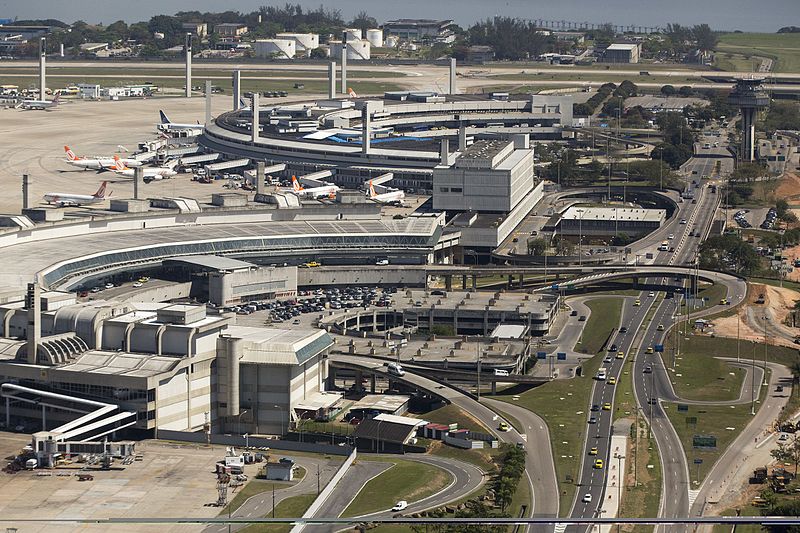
<point x="664" y="246"/>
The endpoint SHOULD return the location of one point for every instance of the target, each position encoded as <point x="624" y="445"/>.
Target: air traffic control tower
<point x="748" y="96"/>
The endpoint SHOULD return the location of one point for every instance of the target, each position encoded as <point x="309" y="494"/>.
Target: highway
<point x="539" y="457"/>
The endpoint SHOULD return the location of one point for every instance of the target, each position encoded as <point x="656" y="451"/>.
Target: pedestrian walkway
<point x="614" y="480"/>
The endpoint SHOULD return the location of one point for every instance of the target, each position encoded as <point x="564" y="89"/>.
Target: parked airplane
<point x="149" y="174"/>
<point x="314" y="192"/>
<point x="351" y="93"/>
<point x="97" y="163"/>
<point x="39" y="105"/>
<point x="393" y="197"/>
<point x="168" y="126"/>
<point x="62" y="199"/>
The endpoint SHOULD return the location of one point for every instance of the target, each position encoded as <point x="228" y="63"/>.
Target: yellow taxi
<point x="503" y="426"/>
<point x="620" y="354"/>
<point x="612" y="380"/>
<point x="593" y="451"/>
<point x="649" y="349"/>
<point x="606" y="406"/>
<point x="637" y="303"/>
<point x="598" y="463"/>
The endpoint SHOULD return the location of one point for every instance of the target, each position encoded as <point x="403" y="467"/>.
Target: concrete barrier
<point x="326" y="492"/>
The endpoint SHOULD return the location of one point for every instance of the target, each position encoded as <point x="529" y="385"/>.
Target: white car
<point x="109" y="285"/>
<point x="651" y="294"/>
<point x="671" y="236"/>
<point x="587" y="498"/>
<point x="683" y="221"/>
<point x="137" y="284"/>
<point x="399" y="506"/>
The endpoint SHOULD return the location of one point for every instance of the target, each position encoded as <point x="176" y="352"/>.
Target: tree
<point x="788" y="452"/>
<point x="511" y="38"/>
<point x="537" y="246"/>
<point x="705" y="37"/>
<point x="794" y="368"/>
<point x="668" y="90"/>
<point x="364" y="22"/>
<point x="685" y="91"/>
<point x="782" y="116"/>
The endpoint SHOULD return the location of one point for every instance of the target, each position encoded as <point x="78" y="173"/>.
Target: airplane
<point x="149" y="174"/>
<point x="96" y="163"/>
<point x="63" y="199"/>
<point x="168" y="126"/>
<point x="39" y="105"/>
<point x="314" y="192"/>
<point x="351" y="93"/>
<point x="392" y="197"/>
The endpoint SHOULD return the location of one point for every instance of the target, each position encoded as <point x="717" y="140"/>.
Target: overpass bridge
<point x="421" y="377"/>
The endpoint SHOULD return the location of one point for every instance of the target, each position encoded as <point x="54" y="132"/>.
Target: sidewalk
<point x="609" y="508"/>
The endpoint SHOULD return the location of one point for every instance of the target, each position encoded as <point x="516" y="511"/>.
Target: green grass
<point x="522" y="496"/>
<point x="711" y="420"/>
<point x="642" y="501"/>
<point x="563" y="404"/>
<point x="702" y="377"/>
<point x="732" y="62"/>
<point x="450" y="414"/>
<point x="289" y="508"/>
<point x="604" y="318"/>
<point x="712" y="294"/>
<point x="725" y="347"/>
<point x="253" y="487"/>
<point x="776" y="283"/>
<point x="197" y="70"/>
<point x="406" y="480"/>
<point x="784" y="48"/>
<point x="483" y="458"/>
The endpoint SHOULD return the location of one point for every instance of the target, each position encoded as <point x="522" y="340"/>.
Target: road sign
<point x="541" y="355"/>
<point x="704" y="441"/>
<point x="561" y="356"/>
<point x="698" y="461"/>
<point x="683" y="407"/>
<point x="554" y="286"/>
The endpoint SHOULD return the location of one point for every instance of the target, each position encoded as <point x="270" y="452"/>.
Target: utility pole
<point x="753" y="382"/>
<point x="766" y="345"/>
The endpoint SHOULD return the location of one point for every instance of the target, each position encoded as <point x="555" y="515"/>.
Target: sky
<point x="745" y="15"/>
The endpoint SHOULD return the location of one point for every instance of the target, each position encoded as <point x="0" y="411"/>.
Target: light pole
<point x="580" y="235"/>
<point x="278" y="407"/>
<point x="753" y="382"/>
<point x="246" y="440"/>
<point x="620" y="477"/>
<point x="766" y="345"/>
<point x="738" y="339"/>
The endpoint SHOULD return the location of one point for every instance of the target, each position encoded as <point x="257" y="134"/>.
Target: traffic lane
<point x="260" y="505"/>
<point x="465" y="479"/>
<point x="353" y="481"/>
<point x="539" y="463"/>
<point x="598" y="435"/>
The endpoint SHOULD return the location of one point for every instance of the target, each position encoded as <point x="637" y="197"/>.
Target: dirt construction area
<point x="777" y="304"/>
<point x="172" y="480"/>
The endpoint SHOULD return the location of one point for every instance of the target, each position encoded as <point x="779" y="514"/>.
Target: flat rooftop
<point x="588" y="214"/>
<point x="484" y="149"/>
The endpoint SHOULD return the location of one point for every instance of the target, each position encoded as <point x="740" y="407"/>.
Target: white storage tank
<point x="353" y="34"/>
<point x="392" y="41"/>
<point x="356" y="50"/>
<point x="277" y="48"/>
<point x="303" y="42"/>
<point x="375" y="37"/>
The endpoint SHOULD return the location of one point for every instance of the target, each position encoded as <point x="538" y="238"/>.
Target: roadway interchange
<point x="633" y="343"/>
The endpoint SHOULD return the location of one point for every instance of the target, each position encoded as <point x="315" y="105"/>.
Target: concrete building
<point x="274" y="48"/>
<point x="575" y="36"/>
<point x="263" y="374"/>
<point x="622" y="53"/>
<point x="266" y="283"/>
<point x="230" y="29"/>
<point x="480" y="53"/>
<point x="609" y="221"/>
<point x="489" y="176"/>
<point x="418" y="29"/>
<point x="304" y="43"/>
<point x="198" y="29"/>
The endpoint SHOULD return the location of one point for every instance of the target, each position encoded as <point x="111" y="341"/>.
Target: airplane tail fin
<point x="296" y="184"/>
<point x="70" y="154"/>
<point x="351" y="93"/>
<point x="164" y="119"/>
<point x="371" y="190"/>
<point x="118" y="164"/>
<point x="101" y="192"/>
<point x="56" y="99"/>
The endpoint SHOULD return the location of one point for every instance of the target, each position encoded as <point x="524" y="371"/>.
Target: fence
<point x="275" y="444"/>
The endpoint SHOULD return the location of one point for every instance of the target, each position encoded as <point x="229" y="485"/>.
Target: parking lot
<point x="172" y="480"/>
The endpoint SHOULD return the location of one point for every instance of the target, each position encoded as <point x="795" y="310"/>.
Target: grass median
<point x="604" y="318"/>
<point x="405" y="480"/>
<point x="289" y="508"/>
<point x="702" y="377"/>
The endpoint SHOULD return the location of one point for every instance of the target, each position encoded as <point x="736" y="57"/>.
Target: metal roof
<point x="211" y="262"/>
